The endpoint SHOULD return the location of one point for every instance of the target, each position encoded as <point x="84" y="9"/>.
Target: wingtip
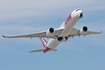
<point x="3" y="36"/>
<point x="30" y="52"/>
<point x="101" y="31"/>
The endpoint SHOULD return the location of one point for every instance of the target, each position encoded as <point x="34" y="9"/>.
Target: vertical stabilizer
<point x="44" y="42"/>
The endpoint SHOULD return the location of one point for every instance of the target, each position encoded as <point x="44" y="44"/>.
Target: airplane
<point x="61" y="34"/>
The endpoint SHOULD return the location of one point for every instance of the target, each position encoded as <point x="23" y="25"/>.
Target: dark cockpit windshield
<point x="78" y="9"/>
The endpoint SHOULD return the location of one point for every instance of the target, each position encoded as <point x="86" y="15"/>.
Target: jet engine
<point x="83" y="30"/>
<point x="50" y="32"/>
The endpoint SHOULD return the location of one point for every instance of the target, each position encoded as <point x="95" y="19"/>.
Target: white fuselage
<point x="68" y="26"/>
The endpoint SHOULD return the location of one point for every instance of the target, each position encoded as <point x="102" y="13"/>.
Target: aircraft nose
<point x="80" y="14"/>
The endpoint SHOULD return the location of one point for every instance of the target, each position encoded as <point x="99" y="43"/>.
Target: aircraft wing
<point x="38" y="34"/>
<point x="92" y="32"/>
<point x="27" y="35"/>
<point x="75" y="32"/>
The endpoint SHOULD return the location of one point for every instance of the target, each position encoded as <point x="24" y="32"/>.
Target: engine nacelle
<point x="50" y="32"/>
<point x="83" y="30"/>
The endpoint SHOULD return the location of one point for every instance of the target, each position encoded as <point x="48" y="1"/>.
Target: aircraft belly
<point x="69" y="27"/>
<point x="53" y="43"/>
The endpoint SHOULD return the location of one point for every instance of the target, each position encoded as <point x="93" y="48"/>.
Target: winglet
<point x="3" y="36"/>
<point x="101" y="31"/>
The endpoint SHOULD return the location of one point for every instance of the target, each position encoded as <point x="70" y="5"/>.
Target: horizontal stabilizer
<point x="41" y="50"/>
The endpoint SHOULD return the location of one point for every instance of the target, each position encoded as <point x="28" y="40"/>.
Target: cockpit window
<point x="78" y="9"/>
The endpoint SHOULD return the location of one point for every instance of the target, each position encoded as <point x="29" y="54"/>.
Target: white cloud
<point x="29" y="8"/>
<point x="19" y="9"/>
<point x="18" y="29"/>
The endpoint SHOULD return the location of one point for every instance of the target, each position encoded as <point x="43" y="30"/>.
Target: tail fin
<point x="44" y="42"/>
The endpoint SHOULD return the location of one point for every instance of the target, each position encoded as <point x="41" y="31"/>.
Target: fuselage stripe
<point x="68" y="19"/>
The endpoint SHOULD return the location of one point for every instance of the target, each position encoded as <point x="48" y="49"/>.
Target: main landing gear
<point x="62" y="38"/>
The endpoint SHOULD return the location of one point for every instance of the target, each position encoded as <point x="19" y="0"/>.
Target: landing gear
<point x="62" y="38"/>
<point x="66" y="38"/>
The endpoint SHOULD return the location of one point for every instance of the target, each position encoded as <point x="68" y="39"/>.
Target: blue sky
<point x="29" y="16"/>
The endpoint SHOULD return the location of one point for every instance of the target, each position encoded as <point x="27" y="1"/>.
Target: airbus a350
<point x="61" y="34"/>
